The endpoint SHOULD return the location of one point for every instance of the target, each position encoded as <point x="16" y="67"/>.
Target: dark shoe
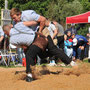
<point x="89" y="60"/>
<point x="29" y="79"/>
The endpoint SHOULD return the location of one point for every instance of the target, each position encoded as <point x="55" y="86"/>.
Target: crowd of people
<point x="76" y="45"/>
<point x="40" y="37"/>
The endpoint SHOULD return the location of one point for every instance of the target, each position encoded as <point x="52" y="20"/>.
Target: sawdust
<point x="47" y="78"/>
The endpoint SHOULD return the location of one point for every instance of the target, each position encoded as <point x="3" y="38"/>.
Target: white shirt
<point x="51" y="29"/>
<point x="1" y="31"/>
<point x="21" y="35"/>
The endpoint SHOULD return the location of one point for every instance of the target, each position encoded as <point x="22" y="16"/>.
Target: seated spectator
<point x="79" y="44"/>
<point x="68" y="47"/>
<point x="1" y="38"/>
<point x="68" y="35"/>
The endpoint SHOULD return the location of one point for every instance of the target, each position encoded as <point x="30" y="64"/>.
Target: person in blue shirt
<point x="79" y="43"/>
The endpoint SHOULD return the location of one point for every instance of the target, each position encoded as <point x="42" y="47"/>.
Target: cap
<point x="74" y="42"/>
<point x="70" y="40"/>
<point x="68" y="31"/>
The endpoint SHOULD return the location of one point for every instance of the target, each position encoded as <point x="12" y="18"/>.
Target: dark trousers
<point x="60" y="42"/>
<point x="58" y="53"/>
<point x="86" y="50"/>
<point x="80" y="54"/>
<point x="34" y="50"/>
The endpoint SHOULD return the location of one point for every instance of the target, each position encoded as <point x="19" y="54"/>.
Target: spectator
<point x="79" y="43"/>
<point x="73" y="30"/>
<point x="68" y="35"/>
<point x="20" y="56"/>
<point x="68" y="47"/>
<point x="88" y="47"/>
<point x="60" y="35"/>
<point x="1" y="38"/>
<point x="53" y="33"/>
<point x="52" y="30"/>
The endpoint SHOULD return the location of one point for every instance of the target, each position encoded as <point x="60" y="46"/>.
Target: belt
<point x="40" y="40"/>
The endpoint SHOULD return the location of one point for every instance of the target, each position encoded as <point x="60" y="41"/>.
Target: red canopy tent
<point x="81" y="18"/>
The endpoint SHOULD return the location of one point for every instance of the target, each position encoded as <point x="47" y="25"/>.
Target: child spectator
<point x="68" y="47"/>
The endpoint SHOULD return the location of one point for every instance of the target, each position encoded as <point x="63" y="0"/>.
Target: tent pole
<point x="89" y="46"/>
<point x="66" y="27"/>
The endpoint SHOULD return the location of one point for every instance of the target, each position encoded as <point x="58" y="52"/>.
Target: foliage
<point x="86" y="5"/>
<point x="60" y="9"/>
<point x="2" y="3"/>
<point x="40" y="6"/>
<point x="83" y="31"/>
<point x="52" y="9"/>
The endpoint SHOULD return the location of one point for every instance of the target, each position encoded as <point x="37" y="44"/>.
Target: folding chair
<point x="3" y="58"/>
<point x="12" y="54"/>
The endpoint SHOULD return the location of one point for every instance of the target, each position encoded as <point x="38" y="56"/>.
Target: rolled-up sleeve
<point x="35" y="16"/>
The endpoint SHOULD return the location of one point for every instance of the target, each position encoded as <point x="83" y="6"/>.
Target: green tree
<point x="60" y="9"/>
<point x="86" y="5"/>
<point x="1" y="3"/>
<point x="83" y="31"/>
<point x="40" y="6"/>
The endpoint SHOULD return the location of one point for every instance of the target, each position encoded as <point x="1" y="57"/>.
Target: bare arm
<point x="1" y="38"/>
<point x="30" y="23"/>
<point x="42" y="21"/>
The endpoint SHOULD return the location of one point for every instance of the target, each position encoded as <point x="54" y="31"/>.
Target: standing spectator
<point x="73" y="30"/>
<point x="88" y="47"/>
<point x="60" y="35"/>
<point x="1" y="38"/>
<point x="20" y="56"/>
<point x="53" y="33"/>
<point x="52" y="30"/>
